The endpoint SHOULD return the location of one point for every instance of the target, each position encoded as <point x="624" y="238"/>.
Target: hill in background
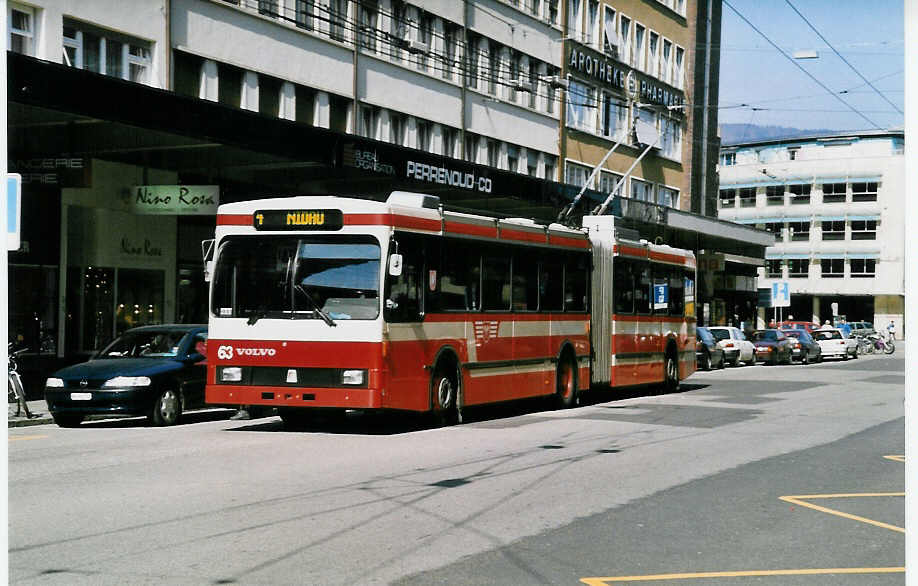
<point x="739" y="133"/>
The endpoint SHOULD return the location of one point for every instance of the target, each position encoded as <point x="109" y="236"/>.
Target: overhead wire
<point x="848" y="63"/>
<point x="798" y="66"/>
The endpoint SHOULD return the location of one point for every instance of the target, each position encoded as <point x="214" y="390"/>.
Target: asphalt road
<point x="740" y="476"/>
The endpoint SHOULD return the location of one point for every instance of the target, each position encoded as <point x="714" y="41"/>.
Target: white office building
<point x="836" y="207"/>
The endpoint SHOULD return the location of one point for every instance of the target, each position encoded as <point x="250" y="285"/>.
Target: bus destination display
<point x="298" y="219"/>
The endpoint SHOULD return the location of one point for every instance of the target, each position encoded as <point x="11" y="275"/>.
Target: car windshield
<point x="704" y="335"/>
<point x="765" y="335"/>
<point x="327" y="277"/>
<point x="145" y="344"/>
<point x="720" y="334"/>
<point x="828" y="335"/>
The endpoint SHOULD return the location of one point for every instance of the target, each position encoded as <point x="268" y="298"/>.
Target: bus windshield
<point x="315" y="277"/>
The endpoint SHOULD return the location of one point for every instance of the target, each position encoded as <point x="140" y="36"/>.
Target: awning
<point x="862" y="255"/>
<point x="830" y="218"/>
<point x="868" y="218"/>
<point x="830" y="255"/>
<point x="786" y="255"/>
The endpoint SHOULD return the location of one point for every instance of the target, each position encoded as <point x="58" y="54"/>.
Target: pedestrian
<point x="891" y="330"/>
<point x="242" y="413"/>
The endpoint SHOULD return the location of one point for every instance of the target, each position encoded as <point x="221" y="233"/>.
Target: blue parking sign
<point x="13" y="209"/>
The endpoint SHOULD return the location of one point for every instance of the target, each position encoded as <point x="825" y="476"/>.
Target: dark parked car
<point x="804" y="347"/>
<point x="772" y="346"/>
<point x="809" y="326"/>
<point x="707" y="352"/>
<point x="157" y="371"/>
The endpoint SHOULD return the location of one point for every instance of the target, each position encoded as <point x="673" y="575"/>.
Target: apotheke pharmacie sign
<point x="600" y="69"/>
<point x="179" y="200"/>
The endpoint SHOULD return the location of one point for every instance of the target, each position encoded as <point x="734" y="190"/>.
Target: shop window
<point x="833" y="268"/>
<point x="800" y="194"/>
<point x="774" y="268"/>
<point x="107" y="52"/>
<point x="834" y="192"/>
<point x="98" y="299"/>
<point x="747" y="197"/>
<point x="833" y="230"/>
<point x="33" y="308"/>
<point x="774" y="195"/>
<point x="727" y="198"/>
<point x="798" y="267"/>
<point x="21" y="21"/>
<point x="863" y="229"/>
<point x="139" y="298"/>
<point x="799" y="231"/>
<point x="863" y="268"/>
<point x="864" y="191"/>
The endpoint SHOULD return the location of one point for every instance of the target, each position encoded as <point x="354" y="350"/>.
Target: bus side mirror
<point x="395" y="265"/>
<point x="207" y="253"/>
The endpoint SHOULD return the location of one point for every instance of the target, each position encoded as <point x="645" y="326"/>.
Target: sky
<point x="759" y="85"/>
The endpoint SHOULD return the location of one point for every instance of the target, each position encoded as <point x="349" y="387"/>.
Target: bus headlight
<point x="353" y="377"/>
<point x="231" y="374"/>
<point x="55" y="383"/>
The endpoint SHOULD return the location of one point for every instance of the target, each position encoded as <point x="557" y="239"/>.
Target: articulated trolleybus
<point x="332" y="302"/>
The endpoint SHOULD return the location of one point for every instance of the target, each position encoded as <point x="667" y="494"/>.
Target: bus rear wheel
<point x="671" y="373"/>
<point x="444" y="395"/>
<point x="566" y="394"/>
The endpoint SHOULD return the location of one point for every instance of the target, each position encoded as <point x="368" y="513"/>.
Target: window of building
<point x="425" y="36"/>
<point x="494" y="70"/>
<point x="553" y="11"/>
<point x="337" y="15"/>
<point x="369" y="121"/>
<point x="774" y="195"/>
<point x="792" y="153"/>
<point x="728" y="198"/>
<point x="666" y="62"/>
<point x="864" y="191"/>
<point x="21" y="23"/>
<point x="493" y="152"/>
<point x="642" y="190"/>
<point x="576" y="175"/>
<point x="637" y="54"/>
<point x="653" y="54"/>
<point x="513" y="158"/>
<point x="671" y="137"/>
<point x="833" y="192"/>
<point x="423" y="134"/>
<point x="305" y="15"/>
<point x="799" y="231"/>
<point x="833" y="268"/>
<point x="608" y="181"/>
<point x="798" y="267"/>
<point x="667" y="196"/>
<point x="609" y="32"/>
<point x="106" y="52"/>
<point x="367" y="13"/>
<point x="800" y="194"/>
<point x="863" y="229"/>
<point x="624" y="38"/>
<point x="863" y="268"/>
<point x="775" y="228"/>
<point x="450" y="50"/>
<point x="551" y="168"/>
<point x="679" y="68"/>
<point x="592" y="25"/>
<point x="268" y="8"/>
<point x="532" y="163"/>
<point x="471" y="147"/>
<point x="727" y="159"/>
<point x="747" y="197"/>
<point x="774" y="268"/>
<point x="449" y="138"/>
<point x="833" y="230"/>
<point x="575" y="19"/>
<point x="581" y="107"/>
<point x="614" y="118"/>
<point x="396" y="128"/>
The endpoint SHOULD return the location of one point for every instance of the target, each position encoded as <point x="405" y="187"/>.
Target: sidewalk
<point x="39" y="411"/>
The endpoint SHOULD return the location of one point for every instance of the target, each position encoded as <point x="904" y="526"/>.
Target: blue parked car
<point x="157" y="371"/>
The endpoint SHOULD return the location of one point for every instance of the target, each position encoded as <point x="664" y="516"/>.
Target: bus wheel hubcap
<point x="445" y="393"/>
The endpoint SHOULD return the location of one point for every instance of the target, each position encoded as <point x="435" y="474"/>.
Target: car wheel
<point x="806" y="359"/>
<point x="167" y="408"/>
<point x="855" y="354"/>
<point x="67" y="419"/>
<point x="705" y="360"/>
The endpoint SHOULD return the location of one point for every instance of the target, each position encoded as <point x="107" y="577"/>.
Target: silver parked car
<point x="736" y="347"/>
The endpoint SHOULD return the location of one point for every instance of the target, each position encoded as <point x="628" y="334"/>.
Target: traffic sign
<point x="13" y="210"/>
<point x="780" y="294"/>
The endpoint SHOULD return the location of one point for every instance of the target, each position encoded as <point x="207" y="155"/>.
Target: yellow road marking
<point x="745" y="573"/>
<point x="796" y="499"/>
<point x="16" y="438"/>
<point x="897" y="458"/>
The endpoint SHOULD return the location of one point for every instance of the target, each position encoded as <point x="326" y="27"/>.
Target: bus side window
<point x="676" y="293"/>
<point x="623" y="286"/>
<point x="576" y="282"/>
<point x="642" y="287"/>
<point x="525" y="281"/>
<point x="551" y="278"/>
<point x="495" y="282"/>
<point x="403" y="298"/>
<point x="458" y="281"/>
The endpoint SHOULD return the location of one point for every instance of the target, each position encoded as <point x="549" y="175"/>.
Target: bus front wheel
<point x="444" y="394"/>
<point x="670" y="373"/>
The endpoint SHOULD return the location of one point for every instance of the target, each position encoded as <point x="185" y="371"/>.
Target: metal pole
<point x="704" y="114"/>
<point x="570" y="207"/>
<point x="601" y="209"/>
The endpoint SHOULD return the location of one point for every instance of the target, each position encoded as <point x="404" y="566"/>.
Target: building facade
<point x="834" y="204"/>
<point x="131" y="121"/>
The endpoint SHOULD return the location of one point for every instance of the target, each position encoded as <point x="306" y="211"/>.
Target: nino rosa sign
<point x="174" y="199"/>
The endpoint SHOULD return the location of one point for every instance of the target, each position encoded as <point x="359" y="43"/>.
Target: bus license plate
<point x="80" y="396"/>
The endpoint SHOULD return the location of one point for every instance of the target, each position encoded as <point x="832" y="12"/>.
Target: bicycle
<point x="15" y="390"/>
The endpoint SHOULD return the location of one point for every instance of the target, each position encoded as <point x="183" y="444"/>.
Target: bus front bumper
<point x="339" y="397"/>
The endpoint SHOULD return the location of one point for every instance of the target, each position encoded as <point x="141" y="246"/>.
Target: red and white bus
<point x="333" y="302"/>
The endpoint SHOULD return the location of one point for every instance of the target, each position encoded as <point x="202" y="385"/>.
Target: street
<point x="755" y="474"/>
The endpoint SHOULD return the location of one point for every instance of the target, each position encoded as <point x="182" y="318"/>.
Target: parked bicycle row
<point x="788" y="342"/>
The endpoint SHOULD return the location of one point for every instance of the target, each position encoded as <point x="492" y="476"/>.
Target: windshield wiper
<point x="255" y="315"/>
<point x="315" y="306"/>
